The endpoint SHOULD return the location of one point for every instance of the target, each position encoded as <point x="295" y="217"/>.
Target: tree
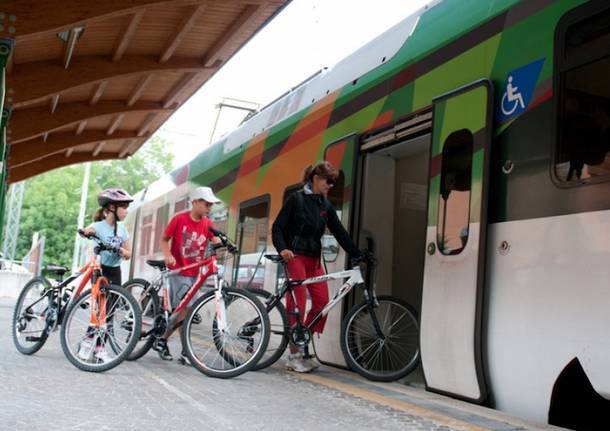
<point x="51" y="200"/>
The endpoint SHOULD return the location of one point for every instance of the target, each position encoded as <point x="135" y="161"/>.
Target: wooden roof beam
<point x="150" y="118"/>
<point x="30" y="151"/>
<point x="115" y="124"/>
<point x="175" y="92"/>
<point x="23" y="128"/>
<point x="98" y="93"/>
<point x="217" y="53"/>
<point x="189" y="20"/>
<point x="33" y="82"/>
<point x="139" y="89"/>
<point x="128" y="35"/>
<point x="55" y="161"/>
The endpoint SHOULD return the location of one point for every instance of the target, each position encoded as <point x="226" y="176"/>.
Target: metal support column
<point x="6" y="46"/>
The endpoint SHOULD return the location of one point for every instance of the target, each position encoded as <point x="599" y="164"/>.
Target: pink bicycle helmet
<point x="113" y="195"/>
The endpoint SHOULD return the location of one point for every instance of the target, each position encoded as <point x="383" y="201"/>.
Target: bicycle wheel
<point x="149" y="306"/>
<point x="232" y="350"/>
<point x="381" y="358"/>
<point x="278" y="337"/>
<point x="101" y="348"/>
<point x="30" y="316"/>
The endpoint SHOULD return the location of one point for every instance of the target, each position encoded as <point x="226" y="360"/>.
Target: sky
<point x="305" y="37"/>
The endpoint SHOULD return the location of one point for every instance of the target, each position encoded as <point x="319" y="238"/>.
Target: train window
<point x="180" y="205"/>
<point x="454" y="198"/>
<point x="330" y="246"/>
<point x="145" y="234"/>
<point x="252" y="242"/>
<point x="583" y="144"/>
<point x="160" y="222"/>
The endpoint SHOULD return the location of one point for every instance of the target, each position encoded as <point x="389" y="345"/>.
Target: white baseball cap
<point x="204" y="193"/>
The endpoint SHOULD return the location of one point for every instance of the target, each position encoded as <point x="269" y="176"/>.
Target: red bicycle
<point x="221" y="342"/>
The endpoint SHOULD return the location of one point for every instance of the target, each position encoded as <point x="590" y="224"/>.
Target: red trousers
<point x="300" y="268"/>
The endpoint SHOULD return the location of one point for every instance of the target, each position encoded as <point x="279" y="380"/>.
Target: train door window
<point x="454" y="199"/>
<point x="160" y="223"/>
<point x="583" y="61"/>
<point x="289" y="191"/>
<point x="252" y="242"/>
<point x="330" y="246"/>
<point x="145" y="234"/>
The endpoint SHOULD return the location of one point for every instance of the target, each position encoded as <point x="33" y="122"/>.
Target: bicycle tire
<point x="81" y="305"/>
<point x="248" y="309"/>
<point x="20" y="321"/>
<point x="150" y="309"/>
<point x="279" y="334"/>
<point x="358" y="336"/>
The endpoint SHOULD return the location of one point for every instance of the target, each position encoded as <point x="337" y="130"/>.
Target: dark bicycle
<point x="379" y="336"/>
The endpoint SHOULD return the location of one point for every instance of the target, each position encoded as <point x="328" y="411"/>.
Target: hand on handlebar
<point x="287" y="255"/>
<point x="86" y="233"/>
<point x="169" y="260"/>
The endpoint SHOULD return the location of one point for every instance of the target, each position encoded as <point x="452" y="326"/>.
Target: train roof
<point x="430" y="28"/>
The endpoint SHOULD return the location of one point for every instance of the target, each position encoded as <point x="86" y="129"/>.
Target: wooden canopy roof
<point x="93" y="79"/>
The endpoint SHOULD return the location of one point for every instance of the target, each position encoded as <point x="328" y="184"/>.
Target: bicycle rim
<point x="385" y="358"/>
<point x="231" y="351"/>
<point x="29" y="324"/>
<point x="101" y="348"/>
<point x="149" y="307"/>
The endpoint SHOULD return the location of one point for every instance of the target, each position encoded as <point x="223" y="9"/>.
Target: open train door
<point x="455" y="242"/>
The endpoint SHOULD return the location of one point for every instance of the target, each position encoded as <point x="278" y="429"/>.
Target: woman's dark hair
<point x="323" y="169"/>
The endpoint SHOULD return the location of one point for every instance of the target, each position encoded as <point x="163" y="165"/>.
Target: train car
<point x="473" y="142"/>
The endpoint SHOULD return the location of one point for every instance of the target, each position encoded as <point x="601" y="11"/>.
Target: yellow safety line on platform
<point x="391" y="402"/>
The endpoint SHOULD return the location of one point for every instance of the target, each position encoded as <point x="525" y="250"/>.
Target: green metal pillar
<point x="6" y="45"/>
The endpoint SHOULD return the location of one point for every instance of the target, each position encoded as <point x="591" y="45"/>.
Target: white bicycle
<point x="379" y="336"/>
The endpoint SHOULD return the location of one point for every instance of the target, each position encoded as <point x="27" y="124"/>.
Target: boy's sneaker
<point x="196" y="319"/>
<point x="160" y="346"/>
<point x="295" y="363"/>
<point x="102" y="355"/>
<point x="85" y="348"/>
<point x="311" y="362"/>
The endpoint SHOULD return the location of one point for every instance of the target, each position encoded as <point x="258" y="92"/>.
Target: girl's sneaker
<point x="295" y="363"/>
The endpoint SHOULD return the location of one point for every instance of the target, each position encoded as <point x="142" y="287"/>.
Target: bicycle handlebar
<point x="102" y="245"/>
<point x="226" y="242"/>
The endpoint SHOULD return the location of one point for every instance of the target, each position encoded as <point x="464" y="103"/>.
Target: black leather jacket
<point x="301" y="222"/>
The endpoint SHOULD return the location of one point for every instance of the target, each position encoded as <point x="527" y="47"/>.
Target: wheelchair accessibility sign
<point x="518" y="90"/>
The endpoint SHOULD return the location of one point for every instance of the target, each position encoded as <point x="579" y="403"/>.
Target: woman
<point x="297" y="233"/>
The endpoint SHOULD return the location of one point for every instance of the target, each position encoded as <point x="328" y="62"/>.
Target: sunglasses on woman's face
<point x="330" y="181"/>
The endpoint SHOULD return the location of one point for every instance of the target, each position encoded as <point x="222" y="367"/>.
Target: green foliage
<point x="51" y="201"/>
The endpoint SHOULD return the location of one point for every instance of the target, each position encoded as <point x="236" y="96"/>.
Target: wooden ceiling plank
<point x="59" y="142"/>
<point x="174" y="93"/>
<point x="189" y="20"/>
<point x="36" y="81"/>
<point x="250" y="13"/>
<point x="115" y="123"/>
<point x="98" y="93"/>
<point x="139" y="89"/>
<point x="131" y="29"/>
<point x="23" y="129"/>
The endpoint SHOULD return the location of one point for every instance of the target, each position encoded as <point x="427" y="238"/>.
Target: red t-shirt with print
<point x="189" y="240"/>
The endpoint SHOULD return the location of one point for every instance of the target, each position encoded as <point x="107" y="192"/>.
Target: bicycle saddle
<point x="156" y="264"/>
<point x="56" y="269"/>
<point x="274" y="258"/>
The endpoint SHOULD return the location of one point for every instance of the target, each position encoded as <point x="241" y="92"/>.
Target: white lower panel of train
<point x="547" y="301"/>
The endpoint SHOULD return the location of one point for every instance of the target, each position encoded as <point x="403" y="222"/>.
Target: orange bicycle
<point x="99" y="328"/>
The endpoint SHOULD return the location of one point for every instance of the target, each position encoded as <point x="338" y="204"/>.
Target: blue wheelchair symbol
<point x="518" y="90"/>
